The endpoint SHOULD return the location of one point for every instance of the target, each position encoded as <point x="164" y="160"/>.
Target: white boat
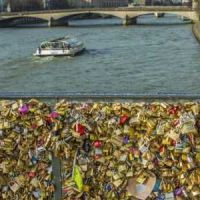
<point x="159" y="15"/>
<point x="66" y="46"/>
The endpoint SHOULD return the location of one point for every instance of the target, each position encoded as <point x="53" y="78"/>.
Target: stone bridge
<point x="127" y="14"/>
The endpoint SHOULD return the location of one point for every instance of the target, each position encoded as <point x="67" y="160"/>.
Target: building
<point x="97" y="3"/>
<point x="55" y="4"/>
<point x="45" y="4"/>
<point x="80" y="3"/>
<point x="48" y="4"/>
<point x="168" y="2"/>
<point x="114" y="3"/>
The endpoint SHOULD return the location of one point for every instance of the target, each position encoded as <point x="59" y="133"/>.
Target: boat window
<point x="59" y="45"/>
<point x="54" y="45"/>
<point x="43" y="46"/>
<point x="46" y="45"/>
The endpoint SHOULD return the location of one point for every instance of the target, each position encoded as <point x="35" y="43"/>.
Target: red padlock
<point x="97" y="144"/>
<point x="173" y="110"/>
<point x="79" y="128"/>
<point x="32" y="174"/>
<point x="123" y="119"/>
<point x="162" y="149"/>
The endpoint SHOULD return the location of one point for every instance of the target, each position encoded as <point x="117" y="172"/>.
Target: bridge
<point x="127" y="14"/>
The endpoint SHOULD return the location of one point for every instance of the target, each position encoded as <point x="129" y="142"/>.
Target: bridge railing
<point x="98" y="96"/>
<point x="142" y="8"/>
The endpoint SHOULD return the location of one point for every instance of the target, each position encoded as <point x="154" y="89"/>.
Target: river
<point x="156" y="56"/>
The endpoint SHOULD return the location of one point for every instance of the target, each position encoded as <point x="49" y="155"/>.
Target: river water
<point x="158" y="55"/>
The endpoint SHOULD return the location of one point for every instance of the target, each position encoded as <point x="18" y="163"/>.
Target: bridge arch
<point x="189" y="15"/>
<point x="63" y="19"/>
<point x="15" y="20"/>
<point x="69" y="15"/>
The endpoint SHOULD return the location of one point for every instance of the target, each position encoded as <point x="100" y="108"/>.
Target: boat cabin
<point x="54" y="45"/>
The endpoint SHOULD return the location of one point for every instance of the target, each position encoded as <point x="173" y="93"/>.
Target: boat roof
<point x="66" y="40"/>
<point x="61" y="39"/>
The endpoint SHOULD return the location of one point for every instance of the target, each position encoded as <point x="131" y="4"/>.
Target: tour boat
<point x="159" y="15"/>
<point x="66" y="46"/>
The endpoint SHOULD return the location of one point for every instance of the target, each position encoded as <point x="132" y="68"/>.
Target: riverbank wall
<point x="196" y="30"/>
<point x="100" y="147"/>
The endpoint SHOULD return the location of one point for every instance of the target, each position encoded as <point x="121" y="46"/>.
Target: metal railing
<point x="99" y="96"/>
